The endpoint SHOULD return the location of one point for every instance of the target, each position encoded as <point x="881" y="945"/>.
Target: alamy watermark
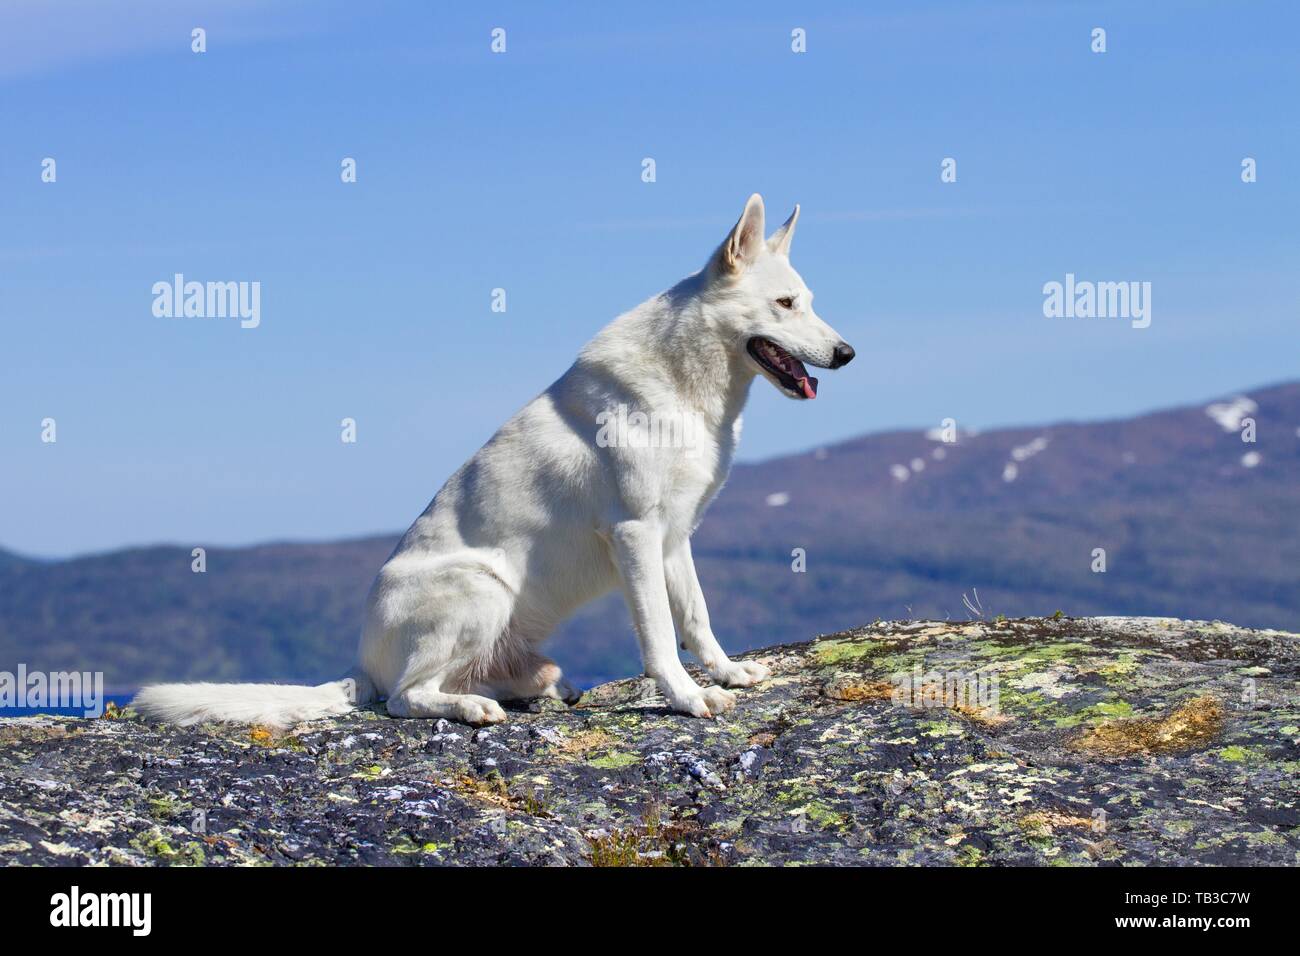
<point x="209" y="300"/>
<point x="1083" y="299"/>
<point x="973" y="690"/>
<point x="70" y="690"/>
<point x="670" y="428"/>
<point x="75" y="908"/>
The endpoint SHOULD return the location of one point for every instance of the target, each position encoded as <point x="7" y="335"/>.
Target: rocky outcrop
<point x="1066" y="742"/>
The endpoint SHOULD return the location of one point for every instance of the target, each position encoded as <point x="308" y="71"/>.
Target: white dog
<point x="574" y="496"/>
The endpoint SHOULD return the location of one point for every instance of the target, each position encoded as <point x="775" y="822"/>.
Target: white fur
<point x="543" y="518"/>
<point x="275" y="705"/>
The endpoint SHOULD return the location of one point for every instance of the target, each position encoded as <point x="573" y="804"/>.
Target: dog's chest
<point x="698" y="475"/>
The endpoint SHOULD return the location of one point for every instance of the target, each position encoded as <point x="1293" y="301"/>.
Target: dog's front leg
<point x="638" y="551"/>
<point x="692" y="618"/>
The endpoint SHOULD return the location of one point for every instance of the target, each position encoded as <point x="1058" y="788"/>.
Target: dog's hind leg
<point x="427" y="699"/>
<point x="434" y="632"/>
<point x="524" y="673"/>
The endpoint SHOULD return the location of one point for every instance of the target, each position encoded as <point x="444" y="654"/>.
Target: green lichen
<point x="941" y="728"/>
<point x="838" y="652"/>
<point x="1109" y="710"/>
<point x="153" y="843"/>
<point x="615" y="760"/>
<point x="405" y="846"/>
<point x="167" y="809"/>
<point x="969" y="855"/>
<point x="821" y="815"/>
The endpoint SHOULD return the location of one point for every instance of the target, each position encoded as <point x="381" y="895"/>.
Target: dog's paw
<point x="477" y="711"/>
<point x="706" y="702"/>
<point x="741" y="673"/>
<point x="563" y="690"/>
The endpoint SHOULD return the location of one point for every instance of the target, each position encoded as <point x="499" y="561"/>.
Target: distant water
<point x="121" y="700"/>
<point x="588" y="681"/>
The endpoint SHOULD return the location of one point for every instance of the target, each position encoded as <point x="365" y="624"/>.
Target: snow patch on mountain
<point x="1229" y="414"/>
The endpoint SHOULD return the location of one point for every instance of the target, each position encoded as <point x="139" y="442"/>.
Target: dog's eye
<point x="786" y="303"/>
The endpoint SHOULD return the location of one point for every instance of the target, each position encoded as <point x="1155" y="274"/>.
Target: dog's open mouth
<point x="784" y="367"/>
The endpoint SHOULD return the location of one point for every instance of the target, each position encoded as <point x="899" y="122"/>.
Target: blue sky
<point x="523" y="171"/>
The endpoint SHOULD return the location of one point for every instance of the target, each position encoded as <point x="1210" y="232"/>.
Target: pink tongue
<point x="809" y="386"/>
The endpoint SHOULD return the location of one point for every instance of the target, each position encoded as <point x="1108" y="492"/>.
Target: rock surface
<point x="1109" y="741"/>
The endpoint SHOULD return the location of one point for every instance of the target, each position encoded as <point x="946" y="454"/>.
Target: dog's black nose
<point x="843" y="355"/>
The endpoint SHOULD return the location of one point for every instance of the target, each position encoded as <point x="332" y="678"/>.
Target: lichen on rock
<point x="1109" y="741"/>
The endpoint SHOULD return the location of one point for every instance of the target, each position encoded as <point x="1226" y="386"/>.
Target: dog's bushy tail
<point x="272" y="705"/>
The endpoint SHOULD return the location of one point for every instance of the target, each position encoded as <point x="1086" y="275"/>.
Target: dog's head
<point x="768" y="313"/>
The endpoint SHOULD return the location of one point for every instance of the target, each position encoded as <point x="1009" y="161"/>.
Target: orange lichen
<point x="857" y="690"/>
<point x="1192" y="725"/>
<point x="259" y="734"/>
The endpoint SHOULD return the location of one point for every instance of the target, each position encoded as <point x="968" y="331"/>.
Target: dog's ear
<point x="779" y="244"/>
<point x="742" y="246"/>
